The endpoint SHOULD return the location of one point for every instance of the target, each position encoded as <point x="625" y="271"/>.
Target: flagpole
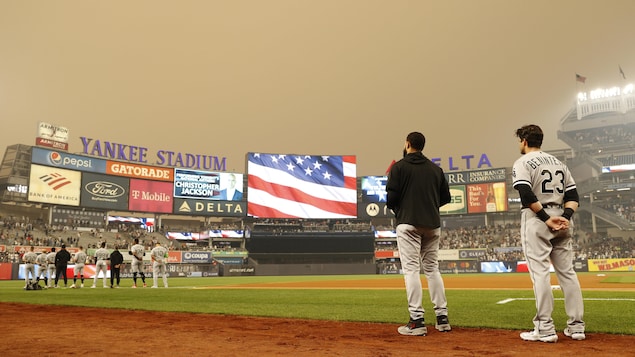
<point x="622" y="72"/>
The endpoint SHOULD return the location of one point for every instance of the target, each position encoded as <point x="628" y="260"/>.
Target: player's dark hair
<point x="416" y="140"/>
<point x="532" y="133"/>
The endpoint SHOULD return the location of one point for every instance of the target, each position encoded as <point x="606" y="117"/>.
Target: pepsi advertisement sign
<point x="67" y="161"/>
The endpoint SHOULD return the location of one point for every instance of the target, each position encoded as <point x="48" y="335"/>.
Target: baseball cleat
<point x="73" y="286"/>
<point x="443" y="324"/>
<point x="576" y="335"/>
<point x="536" y="336"/>
<point x="413" y="328"/>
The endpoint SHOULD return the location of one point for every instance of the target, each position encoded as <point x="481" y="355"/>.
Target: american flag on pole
<point x="301" y="186"/>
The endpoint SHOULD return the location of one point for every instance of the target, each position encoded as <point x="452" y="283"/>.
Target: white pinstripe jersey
<point x="41" y="259"/>
<point x="80" y="257"/>
<point x="102" y="254"/>
<point x="548" y="178"/>
<point x="29" y="257"/>
<point x="159" y="253"/>
<point x="50" y="258"/>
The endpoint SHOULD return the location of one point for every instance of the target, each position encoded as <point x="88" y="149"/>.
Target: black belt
<point x="551" y="205"/>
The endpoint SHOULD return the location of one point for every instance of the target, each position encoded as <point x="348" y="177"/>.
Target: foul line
<point x="588" y="299"/>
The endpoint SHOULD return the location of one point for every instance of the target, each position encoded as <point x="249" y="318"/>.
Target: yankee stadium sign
<point x="139" y="154"/>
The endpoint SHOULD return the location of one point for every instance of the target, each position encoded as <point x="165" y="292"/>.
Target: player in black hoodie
<point x="416" y="189"/>
<point x="116" y="260"/>
<point x="61" y="262"/>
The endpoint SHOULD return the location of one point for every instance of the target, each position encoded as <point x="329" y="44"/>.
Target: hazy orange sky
<point x="338" y="77"/>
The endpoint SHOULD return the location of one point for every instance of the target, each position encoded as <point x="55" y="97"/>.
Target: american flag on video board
<point x="301" y="186"/>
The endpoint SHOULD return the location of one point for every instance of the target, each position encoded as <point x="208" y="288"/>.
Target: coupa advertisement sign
<point x="197" y="257"/>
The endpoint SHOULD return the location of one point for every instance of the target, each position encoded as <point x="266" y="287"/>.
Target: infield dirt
<point x="41" y="330"/>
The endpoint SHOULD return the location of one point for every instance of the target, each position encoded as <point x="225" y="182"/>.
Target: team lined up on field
<point x="52" y="266"/>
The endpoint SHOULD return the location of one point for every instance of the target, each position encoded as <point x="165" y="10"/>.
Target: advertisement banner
<point x="487" y="175"/>
<point x="54" y="185"/>
<point x="125" y="169"/>
<point x="472" y="254"/>
<point x="373" y="210"/>
<point x="457" y="204"/>
<point x="103" y="191"/>
<point x="174" y="256"/>
<point x="498" y="267"/>
<point x="193" y="270"/>
<point x="448" y="254"/>
<point x="239" y="270"/>
<point x="52" y="132"/>
<point x="208" y="185"/>
<point x="581" y="265"/>
<point x="67" y="161"/>
<point x="150" y="196"/>
<point x="487" y="197"/>
<point x="192" y="207"/>
<point x="6" y="270"/>
<point x="615" y="264"/>
<point x="458" y="267"/>
<point x="385" y="254"/>
<point x="51" y="144"/>
<point x="521" y="267"/>
<point x="230" y="260"/>
<point x="197" y="257"/>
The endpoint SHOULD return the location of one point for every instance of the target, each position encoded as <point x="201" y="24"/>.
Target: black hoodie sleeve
<point x="392" y="189"/>
<point x="444" y="192"/>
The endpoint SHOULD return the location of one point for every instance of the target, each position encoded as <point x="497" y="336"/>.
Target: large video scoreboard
<point x="59" y="178"/>
<point x="476" y="191"/>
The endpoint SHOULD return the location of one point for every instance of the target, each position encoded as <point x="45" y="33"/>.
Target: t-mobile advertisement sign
<point x="150" y="196"/>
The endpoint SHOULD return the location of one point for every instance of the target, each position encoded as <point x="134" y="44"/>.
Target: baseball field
<point x="306" y="316"/>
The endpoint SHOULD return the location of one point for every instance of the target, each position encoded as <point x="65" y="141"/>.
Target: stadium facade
<point x="92" y="189"/>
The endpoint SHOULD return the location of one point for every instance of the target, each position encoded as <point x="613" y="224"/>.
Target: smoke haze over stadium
<point x="225" y="78"/>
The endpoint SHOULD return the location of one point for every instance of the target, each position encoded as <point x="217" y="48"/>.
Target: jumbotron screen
<point x="374" y="188"/>
<point x="301" y="186"/>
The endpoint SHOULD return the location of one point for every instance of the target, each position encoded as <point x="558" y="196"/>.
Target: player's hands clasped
<point x="557" y="223"/>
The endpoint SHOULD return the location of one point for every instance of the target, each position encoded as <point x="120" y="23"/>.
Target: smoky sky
<point x="225" y="78"/>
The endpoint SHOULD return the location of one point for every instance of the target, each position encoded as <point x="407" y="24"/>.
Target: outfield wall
<point x="315" y="269"/>
<point x="15" y="271"/>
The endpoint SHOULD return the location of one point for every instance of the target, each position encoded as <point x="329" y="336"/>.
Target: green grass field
<point x="606" y="311"/>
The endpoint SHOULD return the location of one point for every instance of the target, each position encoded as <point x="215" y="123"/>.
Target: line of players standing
<point x="55" y="264"/>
